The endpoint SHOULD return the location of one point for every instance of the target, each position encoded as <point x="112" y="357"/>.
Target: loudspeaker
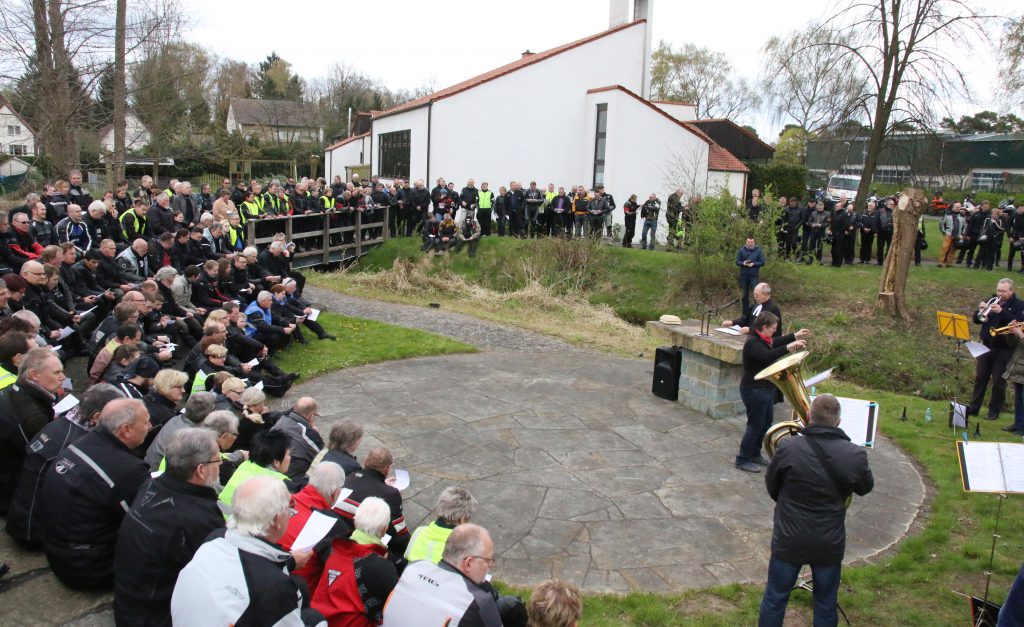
<point x="667" y="363"/>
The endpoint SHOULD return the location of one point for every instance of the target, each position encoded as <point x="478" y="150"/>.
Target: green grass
<point x="362" y="342"/>
<point x="895" y="363"/>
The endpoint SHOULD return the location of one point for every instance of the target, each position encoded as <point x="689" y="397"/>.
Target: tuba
<point x="785" y="374"/>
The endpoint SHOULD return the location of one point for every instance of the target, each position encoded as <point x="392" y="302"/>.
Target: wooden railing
<point x="312" y="233"/>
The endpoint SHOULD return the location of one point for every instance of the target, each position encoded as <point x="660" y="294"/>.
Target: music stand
<point x="956" y="326"/>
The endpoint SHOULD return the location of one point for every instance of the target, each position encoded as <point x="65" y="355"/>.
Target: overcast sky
<point x="408" y="43"/>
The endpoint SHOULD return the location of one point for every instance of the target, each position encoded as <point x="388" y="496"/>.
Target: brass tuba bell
<point x="785" y="374"/>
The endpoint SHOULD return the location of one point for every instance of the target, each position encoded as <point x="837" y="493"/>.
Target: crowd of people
<point x="170" y="480"/>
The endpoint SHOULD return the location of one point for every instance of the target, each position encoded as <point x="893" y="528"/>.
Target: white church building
<point x="600" y="129"/>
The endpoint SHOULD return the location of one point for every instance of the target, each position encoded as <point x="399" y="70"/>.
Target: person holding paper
<point x="295" y="302"/>
<point x="299" y="424"/>
<point x="241" y="575"/>
<point x="991" y="366"/>
<point x="168" y="522"/>
<point x="371" y="481"/>
<point x="326" y="481"/>
<point x="762" y="349"/>
<point x="811" y="479"/>
<point x="357" y="578"/>
<point x="762" y="302"/>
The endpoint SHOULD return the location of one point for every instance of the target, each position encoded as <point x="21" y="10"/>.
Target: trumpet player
<point x="997" y="312"/>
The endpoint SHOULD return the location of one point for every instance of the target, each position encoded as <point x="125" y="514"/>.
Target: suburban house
<point x="601" y="130"/>
<point x="281" y="121"/>
<point x="16" y="136"/>
<point x="136" y="135"/>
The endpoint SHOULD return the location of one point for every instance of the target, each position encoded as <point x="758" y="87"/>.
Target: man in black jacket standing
<point x="170" y="518"/>
<point x="810" y="479"/>
<point x="992" y="364"/>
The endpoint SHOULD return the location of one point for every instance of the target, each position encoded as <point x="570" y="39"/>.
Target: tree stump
<point x="893" y="284"/>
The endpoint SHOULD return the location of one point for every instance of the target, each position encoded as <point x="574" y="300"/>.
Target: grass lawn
<point x="895" y="363"/>
<point x="362" y="342"/>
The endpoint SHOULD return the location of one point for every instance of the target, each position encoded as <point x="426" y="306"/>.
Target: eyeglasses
<point x="216" y="461"/>
<point x="490" y="560"/>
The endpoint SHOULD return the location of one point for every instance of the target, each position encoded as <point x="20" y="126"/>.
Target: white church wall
<point x="647" y="152"/>
<point x="415" y="121"/>
<point x="356" y="152"/>
<point x="735" y="182"/>
<point x="684" y="112"/>
<point x="533" y="124"/>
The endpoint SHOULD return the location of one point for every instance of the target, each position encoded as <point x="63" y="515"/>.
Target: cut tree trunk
<point x="893" y="284"/>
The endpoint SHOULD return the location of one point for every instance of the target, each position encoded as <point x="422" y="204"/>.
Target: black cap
<point x="145" y="367"/>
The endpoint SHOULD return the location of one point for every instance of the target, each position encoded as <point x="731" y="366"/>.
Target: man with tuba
<point x="1000" y="311"/>
<point x="810" y="479"/>
<point x="759" y="351"/>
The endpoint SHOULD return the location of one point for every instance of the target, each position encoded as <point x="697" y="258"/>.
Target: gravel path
<point x="485" y="335"/>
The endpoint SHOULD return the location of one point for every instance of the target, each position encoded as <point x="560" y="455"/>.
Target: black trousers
<point x="968" y="251"/>
<point x="990" y="366"/>
<point x="483" y="216"/>
<point x="867" y="241"/>
<point x="849" y="246"/>
<point x="838" y="248"/>
<point x="627" y="239"/>
<point x="814" y="243"/>
<point x="984" y="258"/>
<point x="884" y="240"/>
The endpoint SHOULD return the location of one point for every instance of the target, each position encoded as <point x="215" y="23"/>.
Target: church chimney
<point x="644" y="10"/>
<point x="618" y="13"/>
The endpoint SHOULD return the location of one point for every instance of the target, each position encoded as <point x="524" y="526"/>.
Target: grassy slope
<point x="362" y="342"/>
<point x="915" y="583"/>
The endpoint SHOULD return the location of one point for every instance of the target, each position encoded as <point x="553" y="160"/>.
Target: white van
<point x="839" y="184"/>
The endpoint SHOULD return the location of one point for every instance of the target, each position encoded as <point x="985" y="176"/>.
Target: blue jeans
<point x="650" y="226"/>
<point x="781" y="578"/>
<point x="747" y="284"/>
<point x="760" y="406"/>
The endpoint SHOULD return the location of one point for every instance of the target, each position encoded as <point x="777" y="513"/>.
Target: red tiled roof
<point x="719" y="158"/>
<point x="674" y="102"/>
<point x="508" y="68"/>
<point x="347" y="140"/>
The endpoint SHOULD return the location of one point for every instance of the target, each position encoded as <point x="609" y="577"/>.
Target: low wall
<point x="709" y="380"/>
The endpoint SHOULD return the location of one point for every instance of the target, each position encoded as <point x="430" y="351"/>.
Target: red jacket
<point x="304" y="502"/>
<point x="356" y="582"/>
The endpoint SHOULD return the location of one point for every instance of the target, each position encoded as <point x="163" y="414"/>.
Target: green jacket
<point x="428" y="542"/>
<point x="247" y="470"/>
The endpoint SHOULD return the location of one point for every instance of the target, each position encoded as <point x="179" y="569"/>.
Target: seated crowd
<point x="171" y="481"/>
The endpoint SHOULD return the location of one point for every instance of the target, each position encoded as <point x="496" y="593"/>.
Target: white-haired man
<point x="87" y="493"/>
<point x="455" y="590"/>
<point x="168" y="522"/>
<point x="241" y="577"/>
<point x="358" y="577"/>
<point x="326" y="481"/>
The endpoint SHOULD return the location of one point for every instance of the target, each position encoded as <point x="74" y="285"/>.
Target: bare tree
<point x="808" y="82"/>
<point x="120" y="93"/>
<point x="1011" y="68"/>
<point x="702" y="77"/>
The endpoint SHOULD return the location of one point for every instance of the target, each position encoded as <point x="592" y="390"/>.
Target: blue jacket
<point x="745" y="254"/>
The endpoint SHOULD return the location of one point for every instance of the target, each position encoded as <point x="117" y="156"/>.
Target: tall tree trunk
<point x="893" y="284"/>
<point x="59" y="107"/>
<point x="120" y="93"/>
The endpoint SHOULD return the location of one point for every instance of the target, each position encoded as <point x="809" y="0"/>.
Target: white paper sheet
<point x="984" y="469"/>
<point x="385" y="539"/>
<point x="317" y="527"/>
<point x="1013" y="466"/>
<point x="252" y="363"/>
<point x="66" y="331"/>
<point x="959" y="415"/>
<point x="976" y="350"/>
<point x="88" y="310"/>
<point x="858" y="420"/>
<point x="65" y="404"/>
<point x="55" y="348"/>
<point x="313" y="315"/>
<point x="729" y="330"/>
<point x="818" y="378"/>
<point x="258" y="386"/>
<point x="401" y="479"/>
<point x="68" y="384"/>
<point x="344" y="494"/>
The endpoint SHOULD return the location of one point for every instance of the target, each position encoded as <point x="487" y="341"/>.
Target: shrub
<point x="786" y="179"/>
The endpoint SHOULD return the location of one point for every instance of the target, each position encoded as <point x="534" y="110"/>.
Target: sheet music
<point x="959" y="415"/>
<point x="982" y="466"/>
<point x="313" y="314"/>
<point x="858" y="420"/>
<point x="316" y="529"/>
<point x="818" y="378"/>
<point x="729" y="330"/>
<point x="1012" y="456"/>
<point x="976" y="350"/>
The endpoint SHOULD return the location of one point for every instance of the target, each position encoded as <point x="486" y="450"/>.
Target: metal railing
<point x="320" y="238"/>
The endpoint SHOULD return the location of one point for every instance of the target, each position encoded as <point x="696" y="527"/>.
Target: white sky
<point x="407" y="43"/>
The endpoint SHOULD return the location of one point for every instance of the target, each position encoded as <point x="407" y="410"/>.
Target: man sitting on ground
<point x="326" y="481"/>
<point x="371" y="481"/>
<point x="454" y="507"/>
<point x="269" y="457"/>
<point x="299" y="424"/>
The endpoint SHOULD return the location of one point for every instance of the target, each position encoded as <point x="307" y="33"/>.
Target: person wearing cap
<point x="135" y="381"/>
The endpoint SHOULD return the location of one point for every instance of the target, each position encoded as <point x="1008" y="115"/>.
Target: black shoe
<point x="992" y="417"/>
<point x="749" y="467"/>
<point x="760" y="461"/>
<point x="328" y="336"/>
<point x="1010" y="429"/>
<point x="4" y="569"/>
<point x="293" y="377"/>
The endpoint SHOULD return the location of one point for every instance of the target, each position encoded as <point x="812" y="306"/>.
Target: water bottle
<point x="928" y="414"/>
<point x="812" y="392"/>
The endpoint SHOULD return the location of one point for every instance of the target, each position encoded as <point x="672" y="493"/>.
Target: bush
<point x="785" y="179"/>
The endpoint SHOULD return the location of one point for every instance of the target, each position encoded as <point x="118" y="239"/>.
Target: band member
<point x="990" y="366"/>
<point x="759" y="352"/>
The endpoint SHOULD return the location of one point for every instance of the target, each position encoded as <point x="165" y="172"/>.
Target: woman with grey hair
<point x="455" y="506"/>
<point x="344" y="439"/>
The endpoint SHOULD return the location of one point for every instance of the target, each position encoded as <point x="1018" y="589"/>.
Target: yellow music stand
<point x="956" y="326"/>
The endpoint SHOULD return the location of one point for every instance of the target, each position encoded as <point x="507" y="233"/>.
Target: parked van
<point x="839" y="184"/>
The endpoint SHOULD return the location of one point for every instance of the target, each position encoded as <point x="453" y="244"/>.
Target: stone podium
<point x="712" y="366"/>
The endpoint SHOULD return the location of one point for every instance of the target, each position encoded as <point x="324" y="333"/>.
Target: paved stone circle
<point x="580" y="471"/>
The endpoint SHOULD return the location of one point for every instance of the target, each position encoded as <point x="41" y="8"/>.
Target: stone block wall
<point x="710" y="386"/>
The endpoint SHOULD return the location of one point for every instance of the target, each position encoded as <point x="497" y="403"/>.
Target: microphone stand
<point x="705" y="320"/>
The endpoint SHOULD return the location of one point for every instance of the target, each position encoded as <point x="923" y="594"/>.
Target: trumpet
<point x="983" y="311"/>
<point x="1004" y="330"/>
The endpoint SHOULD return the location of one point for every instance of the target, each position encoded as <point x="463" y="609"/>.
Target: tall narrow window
<point x="599" y="143"/>
<point x="394" y="155"/>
